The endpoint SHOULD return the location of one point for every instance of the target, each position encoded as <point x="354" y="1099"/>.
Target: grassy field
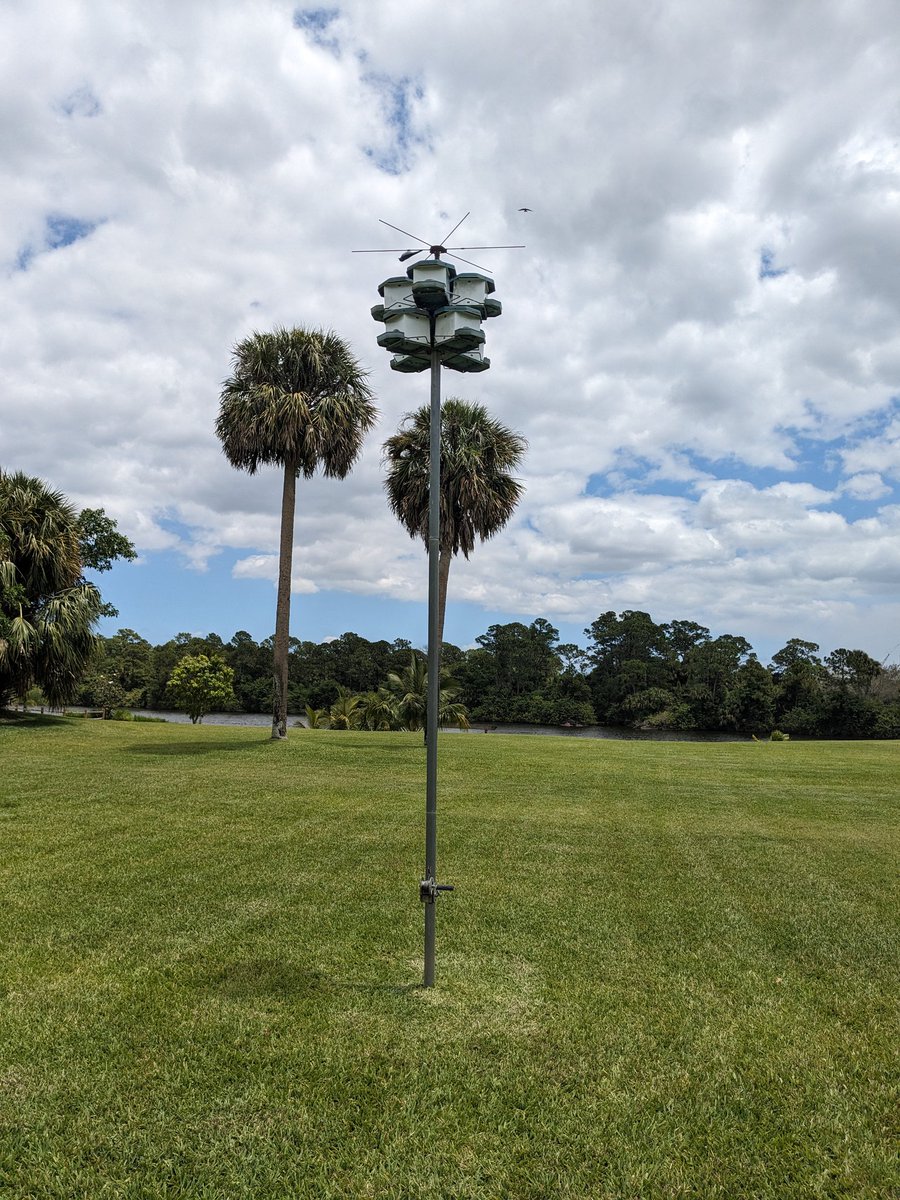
<point x="668" y="970"/>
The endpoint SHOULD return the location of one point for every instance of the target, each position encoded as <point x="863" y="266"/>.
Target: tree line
<point x="298" y="399"/>
<point x="632" y="672"/>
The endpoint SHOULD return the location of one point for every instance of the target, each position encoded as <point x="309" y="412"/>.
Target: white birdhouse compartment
<point x="472" y="288"/>
<point x="472" y="360"/>
<point x="457" y="329"/>
<point x="406" y="333"/>
<point x="408" y="363"/>
<point x="431" y="282"/>
<point x="397" y="294"/>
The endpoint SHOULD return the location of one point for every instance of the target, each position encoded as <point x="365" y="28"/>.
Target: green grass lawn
<point x="668" y="969"/>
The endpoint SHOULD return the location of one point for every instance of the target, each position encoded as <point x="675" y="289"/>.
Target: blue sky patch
<point x="59" y="231"/>
<point x="633" y="479"/>
<point x="818" y="463"/>
<point x="316" y="23"/>
<point x="767" y="268"/>
<point x="63" y="231"/>
<point x="852" y="509"/>
<point x="396" y="97"/>
<point x="143" y="594"/>
<point x="81" y="103"/>
<point x="875" y="424"/>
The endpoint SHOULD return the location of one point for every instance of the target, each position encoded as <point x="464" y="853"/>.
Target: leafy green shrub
<point x="777" y="736"/>
<point x="644" y="705"/>
<point x="201" y="684"/>
<point x="317" y="718"/>
<point x="533" y="708"/>
<point x="887" y="724"/>
<point x="660" y="720"/>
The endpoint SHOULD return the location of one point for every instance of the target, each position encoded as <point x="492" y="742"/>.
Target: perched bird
<point x="526" y="210"/>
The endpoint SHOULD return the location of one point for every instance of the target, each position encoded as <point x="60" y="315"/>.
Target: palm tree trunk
<point x="283" y="603"/>
<point x="443" y="576"/>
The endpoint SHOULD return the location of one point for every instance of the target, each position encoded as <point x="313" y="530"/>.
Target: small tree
<point x="407" y="691"/>
<point x="106" y="692"/>
<point x="100" y="542"/>
<point x="200" y="684"/>
<point x="378" y="710"/>
<point x="344" y="713"/>
<point x="316" y="718"/>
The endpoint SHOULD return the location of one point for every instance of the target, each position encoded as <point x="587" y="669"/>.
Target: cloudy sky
<point x="700" y="341"/>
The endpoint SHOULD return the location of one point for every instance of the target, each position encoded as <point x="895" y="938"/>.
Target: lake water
<point x="264" y="720"/>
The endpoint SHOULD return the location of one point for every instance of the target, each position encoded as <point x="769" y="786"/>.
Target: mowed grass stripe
<point x="669" y="969"/>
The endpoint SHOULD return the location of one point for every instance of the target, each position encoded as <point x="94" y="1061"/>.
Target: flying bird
<point x="526" y="210"/>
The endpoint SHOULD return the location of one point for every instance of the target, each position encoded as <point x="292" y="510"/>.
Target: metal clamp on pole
<point x="428" y="890"/>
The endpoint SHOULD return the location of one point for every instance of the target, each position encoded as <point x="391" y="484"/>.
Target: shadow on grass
<point x="34" y="720"/>
<point x="198" y="747"/>
<point x="264" y="977"/>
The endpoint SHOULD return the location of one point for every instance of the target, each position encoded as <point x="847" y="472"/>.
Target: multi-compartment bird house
<point x="432" y="317"/>
<point x="434" y="302"/>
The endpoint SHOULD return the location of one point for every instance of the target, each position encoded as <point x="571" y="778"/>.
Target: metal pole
<point x="434" y="659"/>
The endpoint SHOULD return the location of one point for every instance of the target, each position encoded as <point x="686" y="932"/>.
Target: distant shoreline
<point x="602" y="732"/>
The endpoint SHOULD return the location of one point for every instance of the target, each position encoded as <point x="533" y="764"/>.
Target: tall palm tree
<point x="478" y="493"/>
<point x="298" y="399"/>
<point x="47" y="610"/>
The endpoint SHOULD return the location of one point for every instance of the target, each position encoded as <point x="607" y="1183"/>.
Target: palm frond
<point x="295" y="397"/>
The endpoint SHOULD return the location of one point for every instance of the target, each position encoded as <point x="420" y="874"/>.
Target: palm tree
<point x="378" y="710"/>
<point x="316" y="718"/>
<point x="47" y="610"/>
<point x="298" y="399"/>
<point x="344" y="713"/>
<point x="478" y="494"/>
<point x="408" y="690"/>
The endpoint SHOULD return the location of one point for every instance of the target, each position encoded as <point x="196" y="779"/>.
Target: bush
<point x="805" y="721"/>
<point x="200" y="684"/>
<point x="887" y="724"/>
<point x="535" y="709"/>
